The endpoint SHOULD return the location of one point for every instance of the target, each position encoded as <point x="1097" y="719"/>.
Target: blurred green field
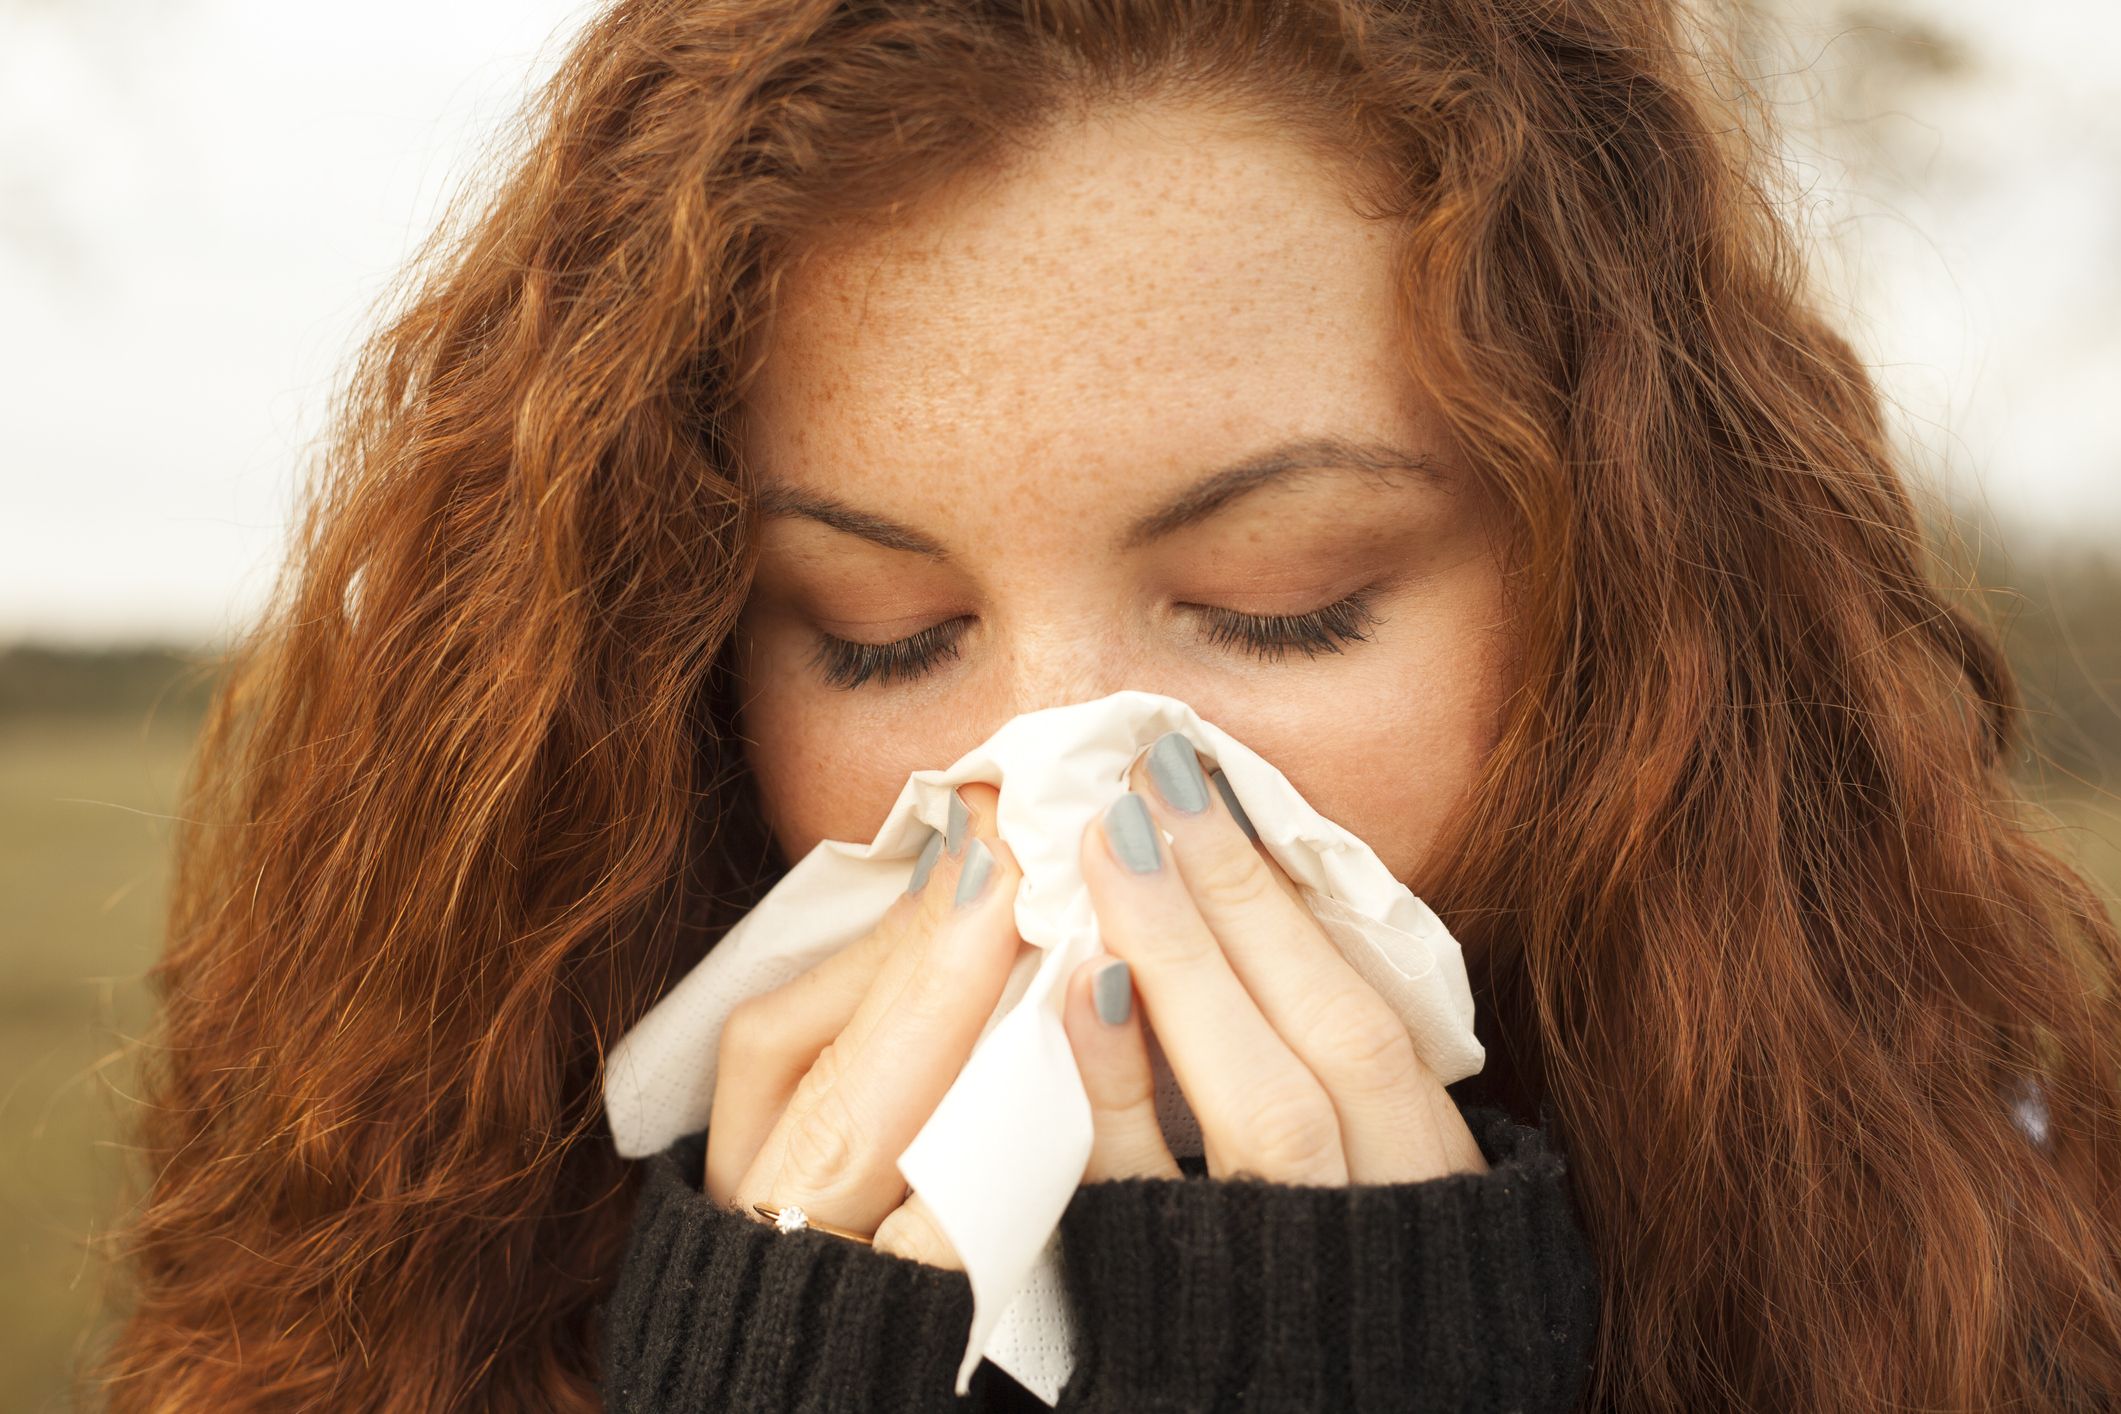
<point x="85" y="800"/>
<point x="84" y="841"/>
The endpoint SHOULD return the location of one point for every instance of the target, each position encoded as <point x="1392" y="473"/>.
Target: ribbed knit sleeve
<point x="1466" y="1293"/>
<point x="716" y="1311"/>
<point x="1462" y="1293"/>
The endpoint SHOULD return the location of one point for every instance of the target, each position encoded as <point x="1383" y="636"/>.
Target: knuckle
<point x="1166" y="935"/>
<point x="815" y="1085"/>
<point x="908" y="1232"/>
<point x="1293" y="1128"/>
<point x="898" y="1239"/>
<point x="1130" y="1096"/>
<point x="746" y="1034"/>
<point x="1362" y="1043"/>
<point x="823" y="1149"/>
<point x="1175" y="947"/>
<point x="1231" y="877"/>
<point x="892" y="1239"/>
<point x="936" y="986"/>
<point x="824" y="1072"/>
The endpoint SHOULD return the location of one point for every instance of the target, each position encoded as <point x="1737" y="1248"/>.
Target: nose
<point x="1058" y="669"/>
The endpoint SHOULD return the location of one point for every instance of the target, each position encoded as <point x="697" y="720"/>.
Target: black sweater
<point x="1468" y="1292"/>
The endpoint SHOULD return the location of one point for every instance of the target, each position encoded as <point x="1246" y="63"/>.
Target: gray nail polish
<point x="1222" y="786"/>
<point x="1133" y="834"/>
<point x="1175" y="767"/>
<point x="979" y="863"/>
<point x="1114" y="989"/>
<point x="959" y="817"/>
<point x="924" y="865"/>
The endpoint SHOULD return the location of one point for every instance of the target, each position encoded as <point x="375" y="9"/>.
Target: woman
<point x="829" y="383"/>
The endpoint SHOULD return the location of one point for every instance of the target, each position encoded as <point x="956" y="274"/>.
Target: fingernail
<point x="958" y="818"/>
<point x="1113" y="987"/>
<point x="1175" y="767"/>
<point x="1133" y="834"/>
<point x="979" y="863"/>
<point x="1222" y="786"/>
<point x="924" y="865"/>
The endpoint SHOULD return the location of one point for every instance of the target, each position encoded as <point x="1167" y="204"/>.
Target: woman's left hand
<point x="1295" y="1067"/>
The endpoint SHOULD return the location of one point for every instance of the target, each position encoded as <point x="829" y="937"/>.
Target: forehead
<point x="1158" y="286"/>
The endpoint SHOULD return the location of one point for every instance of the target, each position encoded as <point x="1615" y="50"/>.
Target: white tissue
<point x="1006" y="1148"/>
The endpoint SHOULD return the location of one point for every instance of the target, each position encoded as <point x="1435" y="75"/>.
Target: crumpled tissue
<point x="1007" y="1145"/>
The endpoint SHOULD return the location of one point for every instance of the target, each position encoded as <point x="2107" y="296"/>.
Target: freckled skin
<point x="1019" y="368"/>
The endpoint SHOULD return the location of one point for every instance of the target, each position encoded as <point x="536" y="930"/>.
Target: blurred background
<point x="201" y="199"/>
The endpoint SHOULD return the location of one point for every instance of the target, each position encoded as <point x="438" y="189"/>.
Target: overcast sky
<point x="199" y="200"/>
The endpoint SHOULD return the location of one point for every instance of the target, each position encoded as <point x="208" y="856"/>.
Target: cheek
<point x="1425" y="763"/>
<point x="1390" y="757"/>
<point x="828" y="765"/>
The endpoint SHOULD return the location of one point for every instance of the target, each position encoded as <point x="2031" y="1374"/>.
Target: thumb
<point x="911" y="1231"/>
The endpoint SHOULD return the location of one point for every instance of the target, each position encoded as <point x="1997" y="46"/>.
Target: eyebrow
<point x="1285" y="462"/>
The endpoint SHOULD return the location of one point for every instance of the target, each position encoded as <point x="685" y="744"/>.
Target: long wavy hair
<point x="1754" y="913"/>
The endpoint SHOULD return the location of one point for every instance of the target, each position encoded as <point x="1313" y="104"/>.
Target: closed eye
<point x="847" y="665"/>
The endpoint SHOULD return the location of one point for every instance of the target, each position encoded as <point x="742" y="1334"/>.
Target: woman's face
<point x="1006" y="429"/>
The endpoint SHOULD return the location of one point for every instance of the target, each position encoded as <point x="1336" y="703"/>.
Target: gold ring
<point x="794" y="1219"/>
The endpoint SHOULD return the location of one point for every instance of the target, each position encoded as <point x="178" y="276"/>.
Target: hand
<point x="1295" y="1067"/>
<point x="824" y="1081"/>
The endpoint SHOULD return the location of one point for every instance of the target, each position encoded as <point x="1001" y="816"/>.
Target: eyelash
<point x="1268" y="636"/>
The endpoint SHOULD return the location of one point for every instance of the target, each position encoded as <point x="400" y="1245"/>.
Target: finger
<point x="911" y="1231"/>
<point x="1260" y="1110"/>
<point x="808" y="1012"/>
<point x="1335" y="1022"/>
<point x="973" y="815"/>
<point x="835" y="1149"/>
<point x="769" y="1042"/>
<point x="1105" y="1031"/>
<point x="1234" y="808"/>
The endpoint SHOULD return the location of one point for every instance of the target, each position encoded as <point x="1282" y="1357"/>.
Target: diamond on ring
<point x="792" y="1219"/>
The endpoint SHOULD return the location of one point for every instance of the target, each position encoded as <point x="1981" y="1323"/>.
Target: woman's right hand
<point x="823" y="1082"/>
